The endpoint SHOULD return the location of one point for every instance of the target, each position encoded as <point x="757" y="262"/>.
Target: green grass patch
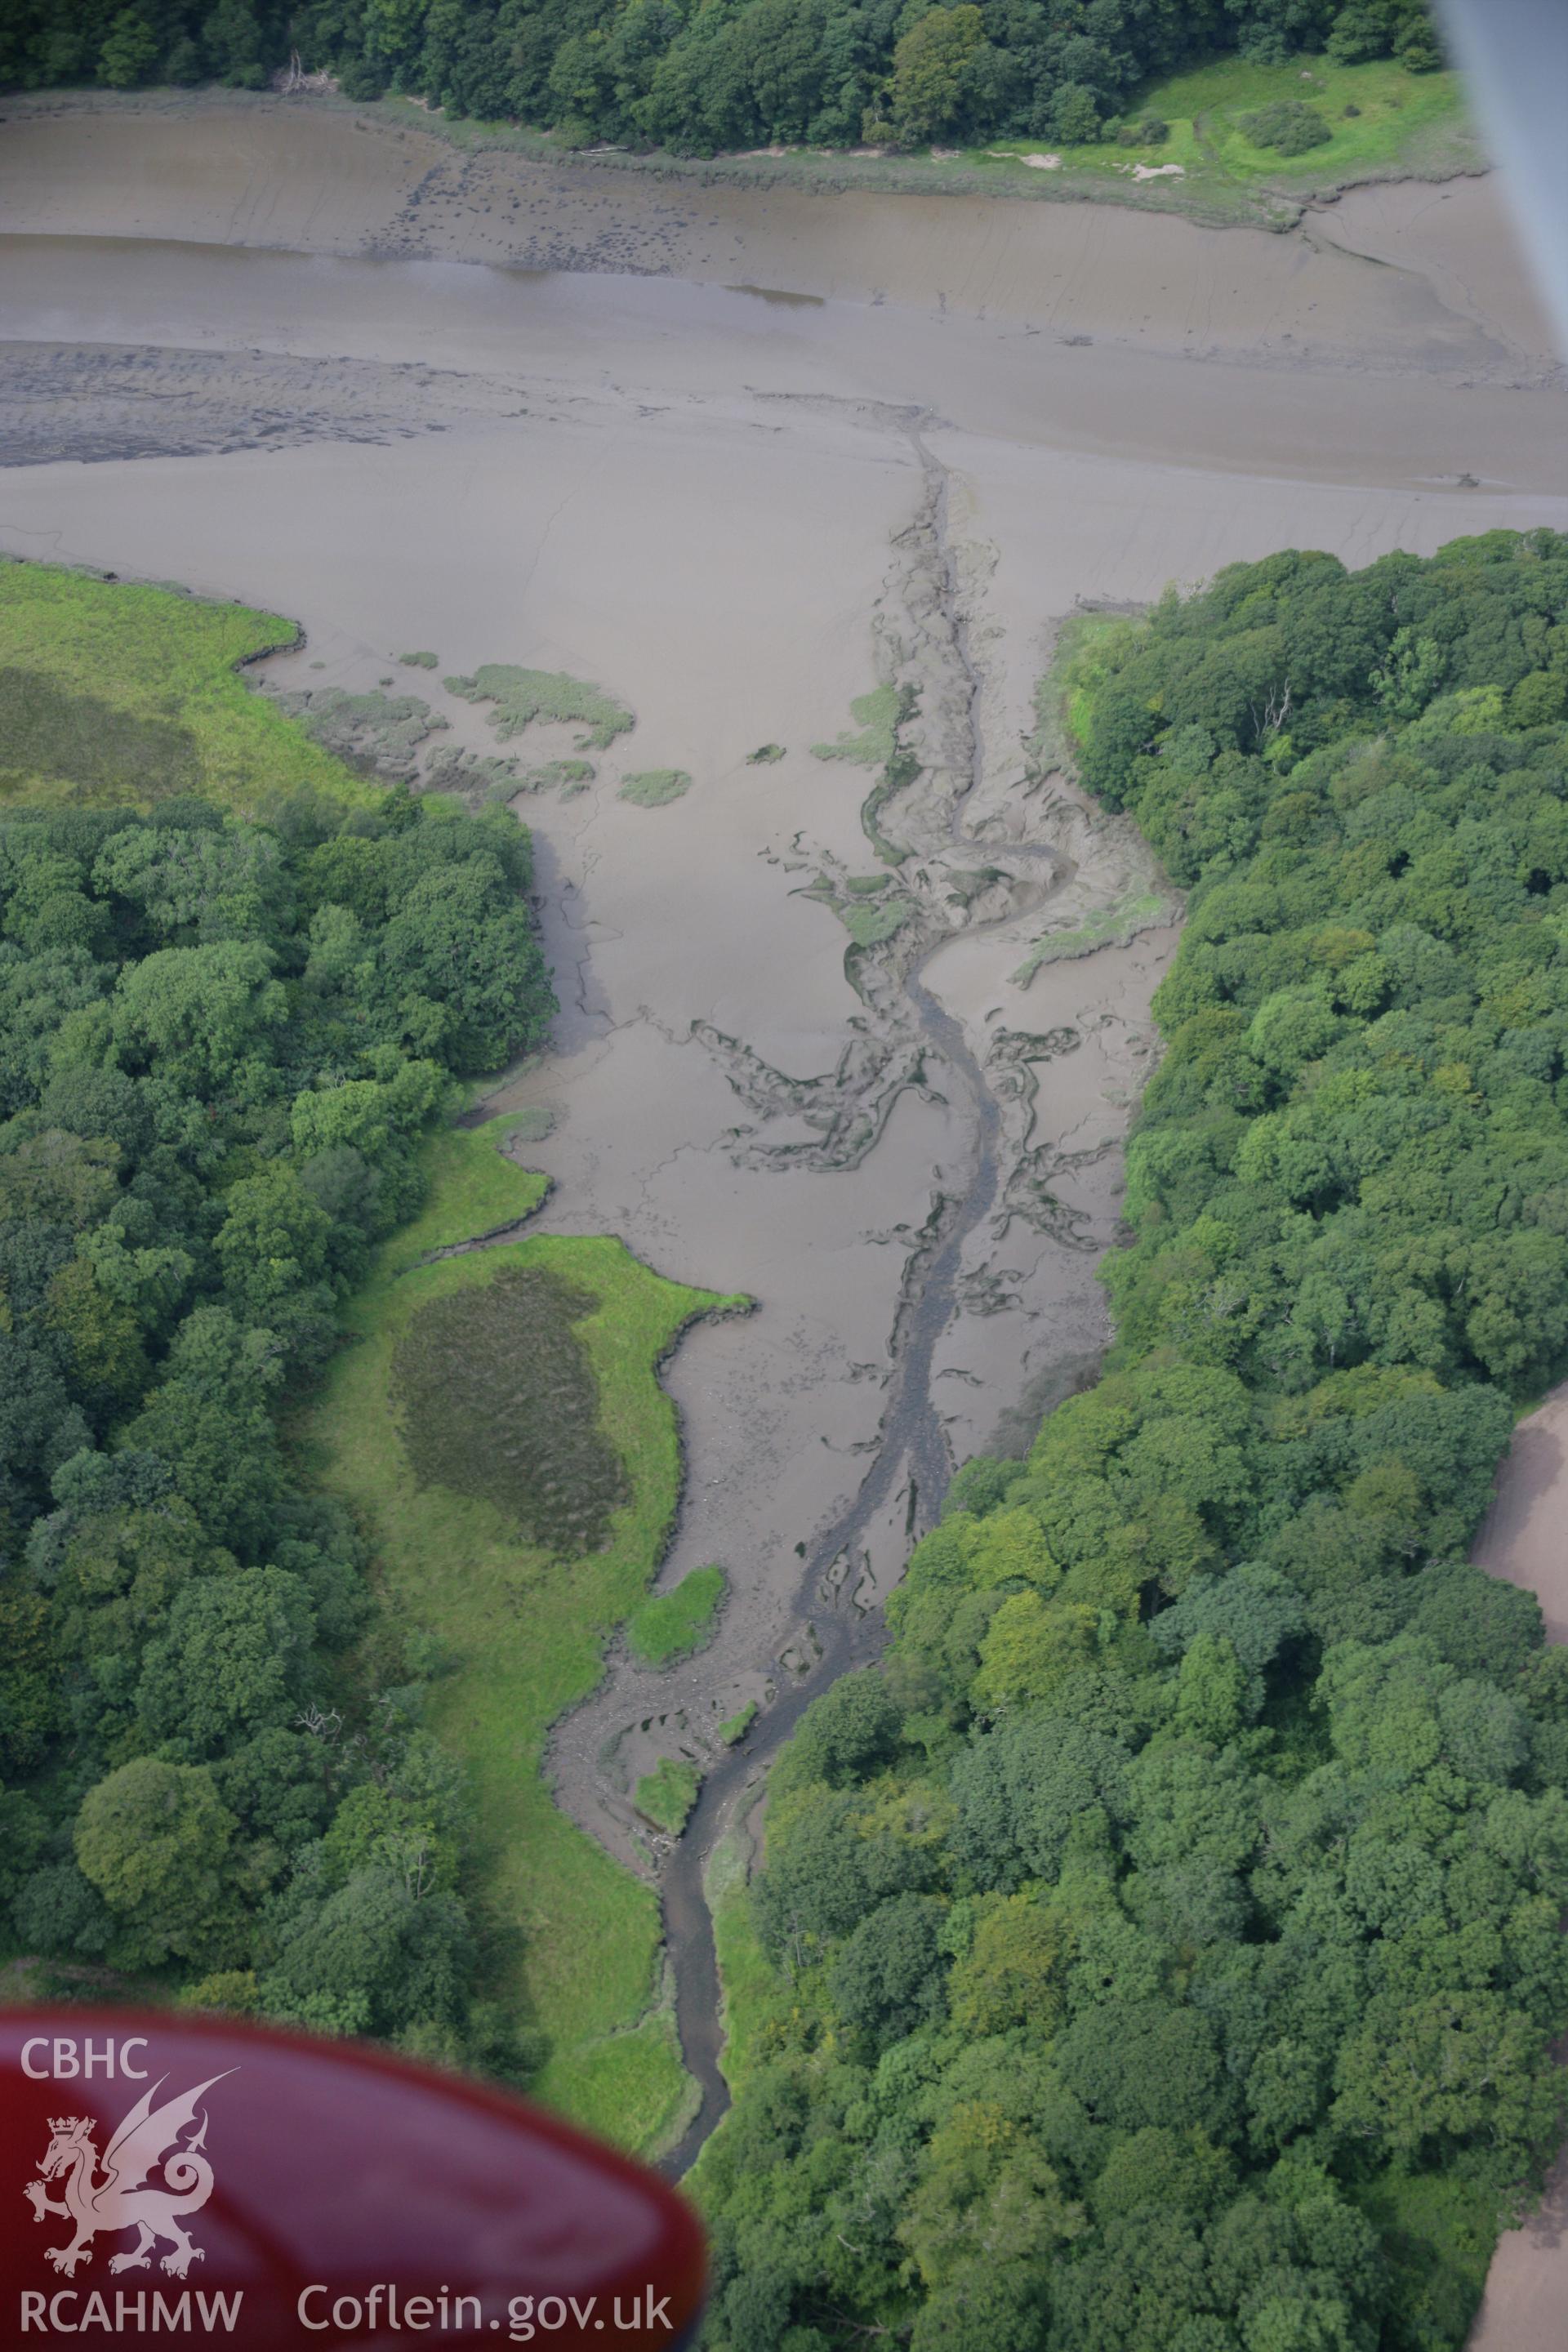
<point x="419" y="660"/>
<point x="672" y="1624"/>
<point x="114" y="693"/>
<point x="1382" y="122"/>
<point x="482" y="777"/>
<point x="745" y="1972"/>
<point x="877" y="716"/>
<point x="619" y="2087"/>
<point x="740" y="1723"/>
<point x="1397" y="110"/>
<point x="525" y="1628"/>
<point x="1109" y="161"/>
<point x="470" y="1187"/>
<point x="521" y="696"/>
<point x="872" y="921"/>
<point x="863" y="903"/>
<point x="49" y="731"/>
<point x="766" y="755"/>
<point x="653" y="787"/>
<point x="666" y="1795"/>
<point x="1111" y="926"/>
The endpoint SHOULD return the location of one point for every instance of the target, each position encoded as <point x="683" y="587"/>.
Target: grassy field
<point x="472" y="1189"/>
<point x="525" y="1627"/>
<point x="1383" y="121"/>
<point x="113" y="693"/>
<point x="496" y="1396"/>
<point x="672" y="1624"/>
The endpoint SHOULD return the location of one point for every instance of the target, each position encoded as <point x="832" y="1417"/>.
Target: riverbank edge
<point x="1278" y="206"/>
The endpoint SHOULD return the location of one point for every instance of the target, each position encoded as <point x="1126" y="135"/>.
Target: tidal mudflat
<point x="743" y="460"/>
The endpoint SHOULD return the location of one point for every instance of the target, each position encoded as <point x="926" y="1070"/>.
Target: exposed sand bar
<point x="738" y="513"/>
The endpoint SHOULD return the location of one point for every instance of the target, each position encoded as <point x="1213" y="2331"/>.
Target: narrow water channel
<point x="911" y="1434"/>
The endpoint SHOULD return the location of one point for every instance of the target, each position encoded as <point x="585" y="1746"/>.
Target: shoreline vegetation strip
<point x="1384" y="122"/>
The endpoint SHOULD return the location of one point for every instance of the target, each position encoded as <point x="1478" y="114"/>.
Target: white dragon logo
<point x="120" y="2200"/>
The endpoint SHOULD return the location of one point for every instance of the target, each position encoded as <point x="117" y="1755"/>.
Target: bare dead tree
<point x="409" y="1852"/>
<point x="1275" y="712"/>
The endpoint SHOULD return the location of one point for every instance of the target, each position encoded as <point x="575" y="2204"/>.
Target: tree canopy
<point x="733" y="74"/>
<point x="220" y="1044"/>
<point x="1167" y="1935"/>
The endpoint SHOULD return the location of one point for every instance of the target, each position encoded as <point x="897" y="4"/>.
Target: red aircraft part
<point x="225" y="2184"/>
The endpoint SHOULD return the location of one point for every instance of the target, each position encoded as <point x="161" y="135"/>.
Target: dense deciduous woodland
<point x="664" y="73"/>
<point x="220" y="1044"/>
<point x="1166" y="1938"/>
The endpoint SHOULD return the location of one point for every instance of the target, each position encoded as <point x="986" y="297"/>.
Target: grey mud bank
<point x="742" y="457"/>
